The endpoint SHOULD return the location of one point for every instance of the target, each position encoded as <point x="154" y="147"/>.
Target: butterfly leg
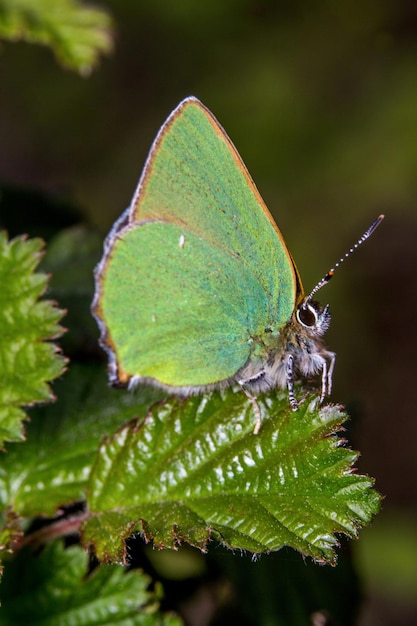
<point x="255" y="405"/>
<point x="327" y="375"/>
<point x="290" y="382"/>
<point x="324" y="381"/>
<point x="332" y="359"/>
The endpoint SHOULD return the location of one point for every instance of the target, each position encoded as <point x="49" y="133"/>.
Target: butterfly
<point x="196" y="289"/>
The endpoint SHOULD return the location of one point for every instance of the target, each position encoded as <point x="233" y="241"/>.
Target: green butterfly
<point x="196" y="289"/>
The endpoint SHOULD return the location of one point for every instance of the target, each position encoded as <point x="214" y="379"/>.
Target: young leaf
<point x="27" y="358"/>
<point x="77" y="34"/>
<point x="55" y="588"/>
<point x="193" y="470"/>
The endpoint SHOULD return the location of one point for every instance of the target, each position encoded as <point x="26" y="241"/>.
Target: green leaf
<point x="193" y="470"/>
<point x="53" y="466"/>
<point x="55" y="588"/>
<point x="27" y="358"/>
<point x="77" y="34"/>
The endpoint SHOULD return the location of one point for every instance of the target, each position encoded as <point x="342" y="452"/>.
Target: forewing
<point x="194" y="176"/>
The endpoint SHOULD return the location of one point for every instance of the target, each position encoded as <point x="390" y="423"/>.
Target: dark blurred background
<point x="320" y="99"/>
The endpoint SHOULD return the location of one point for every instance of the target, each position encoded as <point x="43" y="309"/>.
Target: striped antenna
<point x="330" y="273"/>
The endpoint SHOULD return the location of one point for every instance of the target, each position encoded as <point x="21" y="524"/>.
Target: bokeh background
<point x="320" y="99"/>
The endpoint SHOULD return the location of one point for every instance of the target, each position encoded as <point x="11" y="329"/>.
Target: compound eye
<point x="307" y="316"/>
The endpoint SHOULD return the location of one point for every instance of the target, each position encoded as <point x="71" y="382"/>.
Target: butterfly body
<point x="293" y="347"/>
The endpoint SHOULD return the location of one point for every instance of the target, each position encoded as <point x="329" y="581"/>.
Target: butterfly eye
<point x="307" y="315"/>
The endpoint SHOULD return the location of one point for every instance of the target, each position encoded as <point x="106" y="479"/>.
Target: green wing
<point x="189" y="284"/>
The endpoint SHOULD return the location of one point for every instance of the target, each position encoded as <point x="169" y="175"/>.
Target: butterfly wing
<point x="197" y="269"/>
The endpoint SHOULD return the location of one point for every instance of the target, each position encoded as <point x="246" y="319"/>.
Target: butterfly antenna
<point x="330" y="273"/>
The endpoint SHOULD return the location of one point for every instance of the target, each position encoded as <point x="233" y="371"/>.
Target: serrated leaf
<point x="76" y="33"/>
<point x="53" y="466"/>
<point x="194" y="470"/>
<point x="28" y="359"/>
<point x="54" y="588"/>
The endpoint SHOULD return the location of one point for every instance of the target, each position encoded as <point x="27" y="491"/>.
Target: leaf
<point x="54" y="588"/>
<point x="28" y="359"/>
<point x="77" y="34"/>
<point x="193" y="470"/>
<point x="53" y="466"/>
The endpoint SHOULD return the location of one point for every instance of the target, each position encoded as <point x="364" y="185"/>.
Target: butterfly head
<point x="313" y="317"/>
